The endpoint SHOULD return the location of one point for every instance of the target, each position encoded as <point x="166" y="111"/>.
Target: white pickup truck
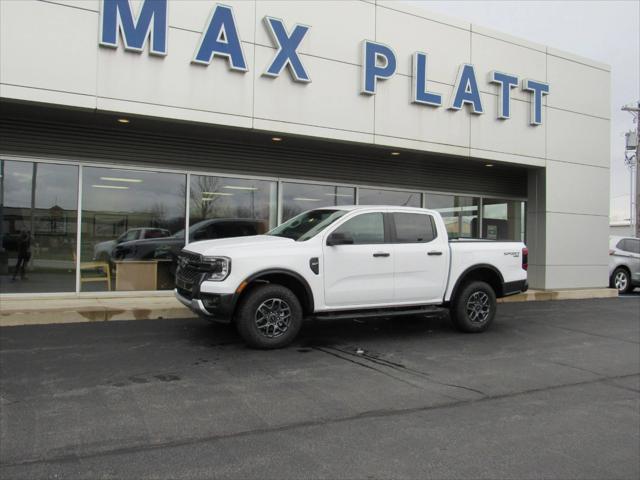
<point x="347" y="262"/>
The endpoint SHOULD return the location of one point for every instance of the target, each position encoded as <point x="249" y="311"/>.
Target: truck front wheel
<point x="270" y="316"/>
<point x="474" y="307"/>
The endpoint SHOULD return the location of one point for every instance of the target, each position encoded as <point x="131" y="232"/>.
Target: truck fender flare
<point x="479" y="266"/>
<point x="290" y="273"/>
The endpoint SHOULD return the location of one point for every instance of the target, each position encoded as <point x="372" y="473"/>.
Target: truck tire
<point x="270" y="316"/>
<point x="621" y="281"/>
<point x="474" y="307"/>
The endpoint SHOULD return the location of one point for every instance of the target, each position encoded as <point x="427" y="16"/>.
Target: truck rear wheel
<point x="270" y="316"/>
<point x="474" y="307"/>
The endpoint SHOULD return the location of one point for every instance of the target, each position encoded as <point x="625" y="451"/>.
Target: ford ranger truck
<point x="347" y="262"/>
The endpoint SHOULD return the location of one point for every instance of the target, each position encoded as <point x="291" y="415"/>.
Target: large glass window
<point x="460" y="214"/>
<point x="132" y="228"/>
<point x="300" y="197"/>
<point x="369" y="196"/>
<point x="38" y="222"/>
<point x="503" y="219"/>
<point x="230" y="207"/>
<point x="133" y="221"/>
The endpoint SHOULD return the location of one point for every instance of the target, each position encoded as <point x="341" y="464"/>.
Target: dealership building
<point x="181" y="120"/>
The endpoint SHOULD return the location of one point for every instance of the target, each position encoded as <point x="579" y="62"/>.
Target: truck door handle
<point x="381" y="254"/>
<point x="434" y="252"/>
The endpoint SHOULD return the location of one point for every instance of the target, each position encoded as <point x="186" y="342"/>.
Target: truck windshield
<point x="306" y="225"/>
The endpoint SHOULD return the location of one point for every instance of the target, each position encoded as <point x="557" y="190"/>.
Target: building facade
<point x="150" y="124"/>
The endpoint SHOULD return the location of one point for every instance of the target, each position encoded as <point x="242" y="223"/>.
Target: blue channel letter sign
<point x="148" y="26"/>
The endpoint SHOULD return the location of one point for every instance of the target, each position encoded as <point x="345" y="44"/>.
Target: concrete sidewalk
<point x="162" y="305"/>
<point x="14" y="311"/>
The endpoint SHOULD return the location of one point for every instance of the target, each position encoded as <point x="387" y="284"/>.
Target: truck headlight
<point x="218" y="268"/>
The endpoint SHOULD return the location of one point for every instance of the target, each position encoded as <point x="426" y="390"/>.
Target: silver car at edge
<point x="624" y="263"/>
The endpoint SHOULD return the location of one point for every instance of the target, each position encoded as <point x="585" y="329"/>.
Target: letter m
<point x="116" y="17"/>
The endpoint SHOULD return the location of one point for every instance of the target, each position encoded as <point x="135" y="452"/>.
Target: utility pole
<point x="635" y="111"/>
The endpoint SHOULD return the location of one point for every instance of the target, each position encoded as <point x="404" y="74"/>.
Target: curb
<point x="86" y="310"/>
<point x="551" y="295"/>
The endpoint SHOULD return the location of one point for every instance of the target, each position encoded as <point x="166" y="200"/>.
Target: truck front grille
<point x="190" y="267"/>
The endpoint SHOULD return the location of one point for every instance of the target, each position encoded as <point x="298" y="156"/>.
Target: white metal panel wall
<point x="76" y="71"/>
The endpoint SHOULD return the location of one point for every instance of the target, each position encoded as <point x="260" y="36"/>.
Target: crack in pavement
<point x="583" y="332"/>
<point x="74" y="457"/>
<point x="597" y="374"/>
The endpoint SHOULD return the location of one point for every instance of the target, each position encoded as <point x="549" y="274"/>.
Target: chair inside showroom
<point x="94" y="272"/>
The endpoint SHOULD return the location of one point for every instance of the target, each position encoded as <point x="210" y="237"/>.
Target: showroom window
<point x="222" y="207"/>
<point x="460" y="214"/>
<point x="132" y="222"/>
<point x="503" y="219"/>
<point x="370" y="196"/>
<point x="300" y="197"/>
<point x="38" y="222"/>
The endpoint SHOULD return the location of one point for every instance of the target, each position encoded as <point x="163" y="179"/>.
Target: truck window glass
<point x="413" y="228"/>
<point x="366" y="229"/>
<point x="306" y="225"/>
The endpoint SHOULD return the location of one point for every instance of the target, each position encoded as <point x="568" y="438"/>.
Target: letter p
<point x="378" y="63"/>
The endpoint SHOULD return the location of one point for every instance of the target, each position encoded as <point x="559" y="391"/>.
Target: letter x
<point x="286" y="56"/>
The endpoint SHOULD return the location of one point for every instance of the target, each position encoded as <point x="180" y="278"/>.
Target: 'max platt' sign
<point x="221" y="39"/>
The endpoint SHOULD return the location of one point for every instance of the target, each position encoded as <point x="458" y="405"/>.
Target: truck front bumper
<point x="216" y="307"/>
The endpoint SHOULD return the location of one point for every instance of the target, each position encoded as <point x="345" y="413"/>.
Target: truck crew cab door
<point x="421" y="258"/>
<point x="359" y="273"/>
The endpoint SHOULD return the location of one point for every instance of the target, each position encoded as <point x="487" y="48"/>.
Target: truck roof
<point x="350" y="208"/>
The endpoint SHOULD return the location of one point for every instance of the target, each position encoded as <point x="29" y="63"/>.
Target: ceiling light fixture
<point x="276" y="139"/>
<point x="395" y="154"/>
<point x="124" y="120"/>
<point x="112" y="187"/>
<point x="339" y="195"/>
<point x="304" y="199"/>
<point x="118" y="179"/>
<point x="234" y="187"/>
<point x="489" y="165"/>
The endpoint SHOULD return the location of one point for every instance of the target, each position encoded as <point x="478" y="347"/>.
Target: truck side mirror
<point x="339" y="239"/>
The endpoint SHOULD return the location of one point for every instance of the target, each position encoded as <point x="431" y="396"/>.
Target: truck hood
<point x="226" y="246"/>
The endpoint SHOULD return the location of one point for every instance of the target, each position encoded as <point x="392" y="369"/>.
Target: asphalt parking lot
<point x="551" y="391"/>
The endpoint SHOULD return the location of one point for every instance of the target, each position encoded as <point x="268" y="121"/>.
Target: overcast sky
<point x="607" y="31"/>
